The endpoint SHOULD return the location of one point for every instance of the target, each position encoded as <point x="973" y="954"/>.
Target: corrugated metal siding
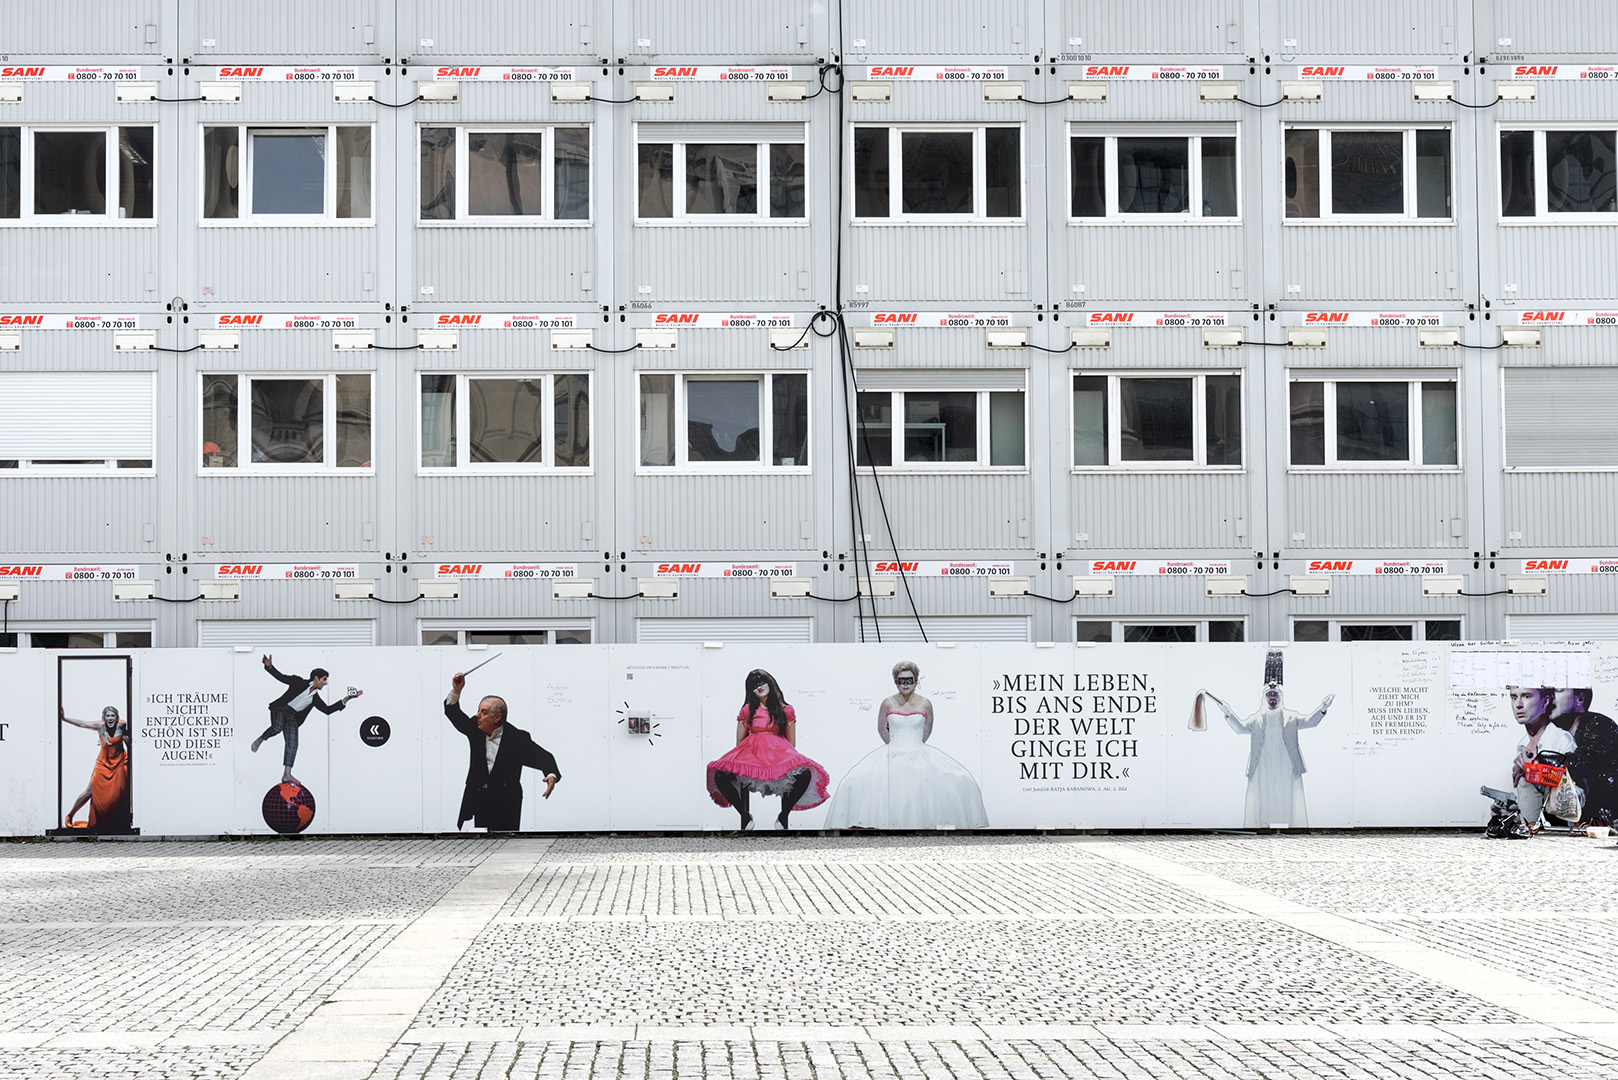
<point x="957" y="628"/>
<point x="1548" y="29"/>
<point x="1556" y="263"/>
<point x="330" y="265"/>
<point x="295" y="29"/>
<point x="1373" y="510"/>
<point x="1372" y="262"/>
<point x="1176" y="512"/>
<point x="1145" y="262"/>
<point x="738" y="264"/>
<point x="787" y="630"/>
<point x="1559" y="510"/>
<point x="990" y="28"/>
<point x="88" y="265"/>
<point x="515" y="30"/>
<point x="264" y="514"/>
<point x="488" y="265"/>
<point x="537" y="513"/>
<point x="675" y="30"/>
<point x="1386" y="27"/>
<point x="992" y="263"/>
<point x="925" y="512"/>
<point x="1602" y="627"/>
<point x="85" y="28"/>
<point x="1148" y="28"/>
<point x="738" y="513"/>
<point x="77" y="515"/>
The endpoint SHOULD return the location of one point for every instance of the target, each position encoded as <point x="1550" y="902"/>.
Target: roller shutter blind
<point x="689" y="132"/>
<point x="285" y="633"/>
<point x="95" y="415"/>
<point x="1582" y="627"/>
<point x="941" y="378"/>
<point x="954" y="628"/>
<point x="1561" y="418"/>
<point x="739" y="631"/>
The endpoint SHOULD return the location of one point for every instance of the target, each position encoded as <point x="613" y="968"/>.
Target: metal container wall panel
<point x="707" y="598"/>
<point x="78" y="515"/>
<point x="1152" y="102"/>
<point x="734" y="31"/>
<point x="746" y="514"/>
<point x="702" y="101"/>
<point x="736" y="264"/>
<point x="516" y="31"/>
<point x="495" y="598"/>
<point x="1384" y="511"/>
<point x="1558" y="510"/>
<point x="1397" y="598"/>
<point x="88" y="29"/>
<point x="1439" y="29"/>
<point x="938" y="347"/>
<point x="297" y="31"/>
<point x="1172" y="348"/>
<point x="877" y="31"/>
<point x="1173" y="263"/>
<point x="323" y="266"/>
<point x="1149" y="595"/>
<point x="1353" y="347"/>
<point x="1567" y="594"/>
<point x="537" y="513"/>
<point x="926" y="518"/>
<point x="1168" y="28"/>
<point x="290" y="599"/>
<point x="1378" y="263"/>
<point x="1571" y="345"/>
<point x="715" y="349"/>
<point x="1536" y="30"/>
<point x="88" y="601"/>
<point x="304" y="515"/>
<point x="110" y="265"/>
<point x="1169" y="513"/>
<point x="991" y="264"/>
<point x="542" y="266"/>
<point x="1554" y="264"/>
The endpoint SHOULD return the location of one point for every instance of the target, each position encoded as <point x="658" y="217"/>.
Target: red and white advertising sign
<point x="1559" y="318"/>
<point x="72" y="322"/>
<point x="1570" y="566"/>
<point x="286" y="74"/>
<point x="16" y="572"/>
<point x="722" y="74"/>
<point x="944" y="569"/>
<point x="906" y="73"/>
<point x="517" y="571"/>
<point x="71" y="74"/>
<point x="1370" y="567"/>
<point x="703" y="320"/>
<point x="1372" y="318"/>
<point x="726" y="570"/>
<point x="287" y="571"/>
<point x="1160" y="568"/>
<point x="1155" y="318"/>
<point x="1150" y="73"/>
<point x="1590" y="72"/>
<point x="939" y="318"/>
<point x="505" y="74"/>
<point x="488" y="321"/>
<point x="1369" y="74"/>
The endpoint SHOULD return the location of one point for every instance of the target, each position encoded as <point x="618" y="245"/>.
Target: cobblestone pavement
<point x="804" y="957"/>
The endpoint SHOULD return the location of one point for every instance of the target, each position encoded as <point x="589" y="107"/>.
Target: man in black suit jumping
<point x="288" y="711"/>
<point x="498" y="752"/>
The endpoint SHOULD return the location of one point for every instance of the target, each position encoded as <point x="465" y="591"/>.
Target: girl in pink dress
<point x="766" y="758"/>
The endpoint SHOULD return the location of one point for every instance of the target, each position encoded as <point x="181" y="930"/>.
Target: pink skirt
<point x="766" y="763"/>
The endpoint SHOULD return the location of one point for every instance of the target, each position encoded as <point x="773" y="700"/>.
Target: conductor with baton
<point x="497" y="753"/>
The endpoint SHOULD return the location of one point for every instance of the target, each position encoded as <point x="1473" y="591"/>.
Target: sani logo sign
<point x="71" y="74"/>
<point x="1570" y="566"/>
<point x="939" y="74"/>
<point x="1143" y="73"/>
<point x="1565" y="71"/>
<point x="716" y="321"/>
<point x="1560" y="318"/>
<point x="515" y="571"/>
<point x="726" y="570"/>
<point x="505" y="74"/>
<point x="1157" y="318"/>
<point x="1159" y="568"/>
<point x="22" y="320"/>
<point x="287" y="571"/>
<point x="22" y="571"/>
<point x="1370" y="568"/>
<point x="940" y="319"/>
<point x="955" y="569"/>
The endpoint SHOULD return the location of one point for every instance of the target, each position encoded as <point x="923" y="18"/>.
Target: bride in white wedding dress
<point x="906" y="784"/>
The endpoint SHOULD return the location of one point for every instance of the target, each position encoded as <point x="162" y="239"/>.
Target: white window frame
<point x="1199" y="423"/>
<point x="1414" y="412"/>
<point x="27" y="467"/>
<point x="1330" y="218"/>
<point x="245" y="465"/>
<point x="463" y="420"/>
<point x="245" y="218"/>
<point x="465" y="219"/>
<point x="1118" y="625"/>
<point x="1417" y="623"/>
<point x="647" y="136"/>
<point x="108" y="629"/>
<point x="1194" y="134"/>
<point x="461" y="627"/>
<point x="27" y="219"/>
<point x="1543" y="216"/>
<point x="980" y="189"/>
<point x="984" y="435"/>
<point x="766" y="434"/>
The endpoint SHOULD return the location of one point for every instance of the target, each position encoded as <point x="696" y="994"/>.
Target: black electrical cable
<point x="1270" y="344"/>
<point x="7" y="623"/>
<point x="171" y="600"/>
<point x="841" y="81"/>
<point x="614" y="352"/>
<point x="379" y="600"/>
<point x="1262" y="104"/>
<point x="1262" y="595"/>
<point x="801" y="339"/>
<point x="394" y="348"/>
<point x="631" y="596"/>
<point x="1055" y="352"/>
<point x="856" y="509"/>
<point x="177" y="99"/>
<point x="1499" y="592"/>
<point x="1490" y="105"/>
<point x="1481" y="348"/>
<point x="181" y="352"/>
<point x="1053" y="599"/>
<point x="614" y="101"/>
<point x="812" y="596"/>
<point x="1035" y="101"/>
<point x="400" y="105"/>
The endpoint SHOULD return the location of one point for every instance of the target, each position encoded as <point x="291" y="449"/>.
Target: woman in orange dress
<point x="108" y="793"/>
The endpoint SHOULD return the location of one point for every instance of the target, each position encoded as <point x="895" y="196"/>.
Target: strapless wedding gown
<point x="907" y="785"/>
